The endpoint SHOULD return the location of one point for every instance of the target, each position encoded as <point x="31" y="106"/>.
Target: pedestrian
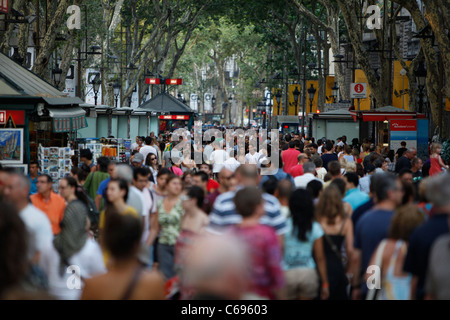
<point x="167" y="224"/>
<point x="94" y="179"/>
<point x="304" y="257"/>
<point x="422" y="239"/>
<point x="328" y="155"/>
<point x="338" y="233"/>
<point x="391" y="253"/>
<point x="267" y="278"/>
<point x="73" y="246"/>
<point x="49" y="202"/>
<point x="437" y="164"/>
<point x="127" y="278"/>
<point x="290" y="156"/>
<point x="404" y="162"/>
<point x="152" y="163"/>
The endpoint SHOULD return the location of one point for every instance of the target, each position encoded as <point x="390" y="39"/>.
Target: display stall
<point x="118" y="150"/>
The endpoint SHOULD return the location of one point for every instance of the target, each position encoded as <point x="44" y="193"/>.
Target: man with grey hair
<point x="423" y="238"/>
<point x="309" y="171"/>
<point x="37" y="223"/>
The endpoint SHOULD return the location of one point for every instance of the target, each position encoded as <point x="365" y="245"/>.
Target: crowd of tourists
<point x="231" y="217"/>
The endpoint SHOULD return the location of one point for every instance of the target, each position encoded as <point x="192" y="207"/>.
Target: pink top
<point x="265" y="252"/>
<point x="176" y="171"/>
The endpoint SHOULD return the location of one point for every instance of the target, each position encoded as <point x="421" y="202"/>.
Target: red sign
<point x="174" y="81"/>
<point x="359" y="88"/>
<point x="174" y="117"/>
<point x="152" y="81"/>
<point x="17" y="116"/>
<point x="4" y="6"/>
<point x="403" y="125"/>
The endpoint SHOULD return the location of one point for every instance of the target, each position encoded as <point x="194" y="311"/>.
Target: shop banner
<point x="403" y="130"/>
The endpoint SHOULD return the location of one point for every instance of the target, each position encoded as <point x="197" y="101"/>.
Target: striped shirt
<point x="224" y="213"/>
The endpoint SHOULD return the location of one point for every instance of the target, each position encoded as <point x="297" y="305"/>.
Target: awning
<point x="68" y="119"/>
<point x="385" y="114"/>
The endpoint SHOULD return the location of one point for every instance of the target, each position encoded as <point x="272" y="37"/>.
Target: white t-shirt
<point x="252" y="158"/>
<point x="219" y="157"/>
<point x="207" y="152"/>
<point x="319" y="150"/>
<point x="150" y="206"/>
<point x="231" y="164"/>
<point x="39" y="227"/>
<point x="145" y="150"/>
<point x="68" y="286"/>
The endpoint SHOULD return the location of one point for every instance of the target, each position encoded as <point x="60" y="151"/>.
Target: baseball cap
<point x="138" y="157"/>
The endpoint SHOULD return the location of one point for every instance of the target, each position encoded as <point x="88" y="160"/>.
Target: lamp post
<point x="269" y="98"/>
<point x="213" y="100"/>
<point x="96" y="82"/>
<point x="296" y="94"/>
<point x="421" y="76"/>
<point x="311" y="94"/>
<point x="56" y="75"/>
<point x="335" y="92"/>
<point x="278" y="98"/>
<point x="116" y="88"/>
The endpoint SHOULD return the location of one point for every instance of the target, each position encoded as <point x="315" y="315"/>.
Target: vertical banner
<point x="400" y="90"/>
<point x="403" y="130"/>
<point x="328" y="92"/>
<point x="447" y="104"/>
<point x="359" y="78"/>
<point x="292" y="106"/>
<point x="422" y="138"/>
<point x="315" y="101"/>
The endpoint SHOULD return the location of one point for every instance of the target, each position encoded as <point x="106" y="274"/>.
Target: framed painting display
<point x="22" y="168"/>
<point x="11" y="146"/>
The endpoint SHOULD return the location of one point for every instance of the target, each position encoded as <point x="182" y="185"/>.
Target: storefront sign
<point x="4" y="6"/>
<point x="403" y="130"/>
<point x="17" y="117"/>
<point x="173" y="117"/>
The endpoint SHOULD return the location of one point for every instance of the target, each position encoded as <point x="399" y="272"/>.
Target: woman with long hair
<point x="167" y="224"/>
<point x="303" y="250"/>
<point x="338" y="230"/>
<point x="127" y="278"/>
<point x="73" y="246"/>
<point x="153" y="164"/>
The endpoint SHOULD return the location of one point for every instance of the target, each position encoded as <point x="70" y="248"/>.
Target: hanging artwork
<point x="11" y="146"/>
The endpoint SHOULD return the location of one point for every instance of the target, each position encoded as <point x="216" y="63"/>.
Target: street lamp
<point x="96" y="82"/>
<point x="296" y="94"/>
<point x="278" y="98"/>
<point x="311" y="94"/>
<point x="116" y="88"/>
<point x="335" y="91"/>
<point x="421" y="76"/>
<point x="56" y="75"/>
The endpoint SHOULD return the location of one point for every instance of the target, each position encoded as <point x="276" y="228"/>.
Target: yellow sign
<point x="364" y="104"/>
<point x="276" y="110"/>
<point x="447" y="104"/>
<point x="329" y="91"/>
<point x="400" y="90"/>
<point x="292" y="106"/>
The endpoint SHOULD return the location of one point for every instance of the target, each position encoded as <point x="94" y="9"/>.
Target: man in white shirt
<point x="147" y="148"/>
<point x="218" y="157"/>
<point x="232" y="163"/>
<point x="138" y="143"/>
<point x="252" y="156"/>
<point x="37" y="223"/>
<point x="308" y="175"/>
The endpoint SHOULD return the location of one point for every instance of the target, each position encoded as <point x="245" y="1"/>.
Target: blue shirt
<point x="280" y="175"/>
<point x="102" y="187"/>
<point x="299" y="254"/>
<point x="370" y="230"/>
<point x="362" y="209"/>
<point x="33" y="186"/>
<point x="420" y="242"/>
<point x="224" y="213"/>
<point x="356" y="198"/>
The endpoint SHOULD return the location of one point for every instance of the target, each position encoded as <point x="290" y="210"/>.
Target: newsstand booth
<point x="33" y="113"/>
<point x="171" y="113"/>
<point x="390" y="125"/>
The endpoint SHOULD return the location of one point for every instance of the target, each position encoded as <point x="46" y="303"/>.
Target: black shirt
<point x="327" y="157"/>
<point x="402" y="162"/>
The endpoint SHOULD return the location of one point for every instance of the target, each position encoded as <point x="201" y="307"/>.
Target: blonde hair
<point x="405" y="220"/>
<point x="350" y="167"/>
<point x="330" y="205"/>
<point x="434" y="146"/>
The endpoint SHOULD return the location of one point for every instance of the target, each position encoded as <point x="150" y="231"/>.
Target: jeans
<point x="166" y="259"/>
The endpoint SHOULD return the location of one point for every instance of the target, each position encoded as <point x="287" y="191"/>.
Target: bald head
<point x="247" y="175"/>
<point x="17" y="188"/>
<point x="217" y="265"/>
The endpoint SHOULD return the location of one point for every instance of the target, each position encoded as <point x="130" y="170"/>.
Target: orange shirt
<point x="54" y="209"/>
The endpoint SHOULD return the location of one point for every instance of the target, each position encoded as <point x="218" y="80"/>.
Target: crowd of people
<point x="186" y="220"/>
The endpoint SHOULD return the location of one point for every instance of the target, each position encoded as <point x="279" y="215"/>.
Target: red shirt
<point x="289" y="158"/>
<point x="212" y="185"/>
<point x="296" y="171"/>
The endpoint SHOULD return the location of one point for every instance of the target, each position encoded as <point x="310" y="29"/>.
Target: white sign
<point x="358" y="90"/>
